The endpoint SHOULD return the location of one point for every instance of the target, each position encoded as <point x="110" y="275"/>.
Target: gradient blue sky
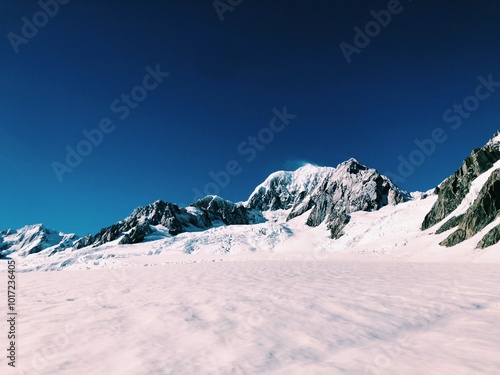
<point x="225" y="79"/>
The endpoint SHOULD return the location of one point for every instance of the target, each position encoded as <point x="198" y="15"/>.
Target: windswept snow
<point x="261" y="317"/>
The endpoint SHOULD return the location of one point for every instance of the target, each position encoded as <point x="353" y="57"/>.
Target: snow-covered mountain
<point x="33" y="239"/>
<point x="349" y="209"/>
<point x="327" y="194"/>
<point x="162" y="219"/>
<point x="323" y="194"/>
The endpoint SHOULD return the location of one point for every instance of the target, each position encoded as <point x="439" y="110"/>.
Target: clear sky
<point x="225" y="78"/>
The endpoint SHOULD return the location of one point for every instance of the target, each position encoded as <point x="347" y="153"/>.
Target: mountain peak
<point x="308" y="167"/>
<point x="352" y="166"/>
<point x="32" y="227"/>
<point x="326" y="194"/>
<point x="350" y="161"/>
<point x="34" y="238"/>
<point x="495" y="141"/>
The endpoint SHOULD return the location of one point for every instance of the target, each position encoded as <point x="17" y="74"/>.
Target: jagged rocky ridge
<point x="454" y="189"/>
<point x="490" y="239"/>
<point x="327" y="194"/>
<point x="33" y="239"/>
<point x="203" y="214"/>
<point x="485" y="208"/>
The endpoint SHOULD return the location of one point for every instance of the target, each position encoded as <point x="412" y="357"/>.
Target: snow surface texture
<point x="261" y="317"/>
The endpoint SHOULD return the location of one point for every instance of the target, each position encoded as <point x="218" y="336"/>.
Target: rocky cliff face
<point x="218" y="209"/>
<point x="490" y="239"/>
<point x="327" y="194"/>
<point x="203" y="214"/>
<point x="484" y="210"/>
<point x="454" y="189"/>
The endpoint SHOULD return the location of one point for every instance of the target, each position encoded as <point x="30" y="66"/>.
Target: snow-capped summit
<point x="32" y="239"/>
<point x="495" y="141"/>
<point x="326" y="193"/>
<point x="279" y="190"/>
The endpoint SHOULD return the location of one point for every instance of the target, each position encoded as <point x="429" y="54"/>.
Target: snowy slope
<point x="261" y="317"/>
<point x="391" y="233"/>
<point x="33" y="239"/>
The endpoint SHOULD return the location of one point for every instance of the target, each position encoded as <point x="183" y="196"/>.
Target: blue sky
<point x="227" y="81"/>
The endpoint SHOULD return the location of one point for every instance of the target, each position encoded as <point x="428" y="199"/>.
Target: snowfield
<point x="260" y="317"/>
<point x="277" y="298"/>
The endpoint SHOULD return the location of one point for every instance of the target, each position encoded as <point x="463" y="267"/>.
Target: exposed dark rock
<point x="484" y="210"/>
<point x="455" y="238"/>
<point x="451" y="223"/>
<point x="327" y="193"/>
<point x="157" y="213"/>
<point x="491" y="238"/>
<point x="84" y="241"/>
<point x="454" y="189"/>
<point x="137" y="234"/>
<point x="200" y="215"/>
<point x="337" y="223"/>
<point x="221" y="209"/>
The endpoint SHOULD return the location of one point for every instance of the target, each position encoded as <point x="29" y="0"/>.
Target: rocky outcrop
<point x="202" y="214"/>
<point x="454" y="189"/>
<point x="455" y="238"/>
<point x="336" y="223"/>
<point x="491" y="238"/>
<point x="228" y="212"/>
<point x="327" y="194"/>
<point x="484" y="210"/>
<point x="136" y="235"/>
<point x="451" y="223"/>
